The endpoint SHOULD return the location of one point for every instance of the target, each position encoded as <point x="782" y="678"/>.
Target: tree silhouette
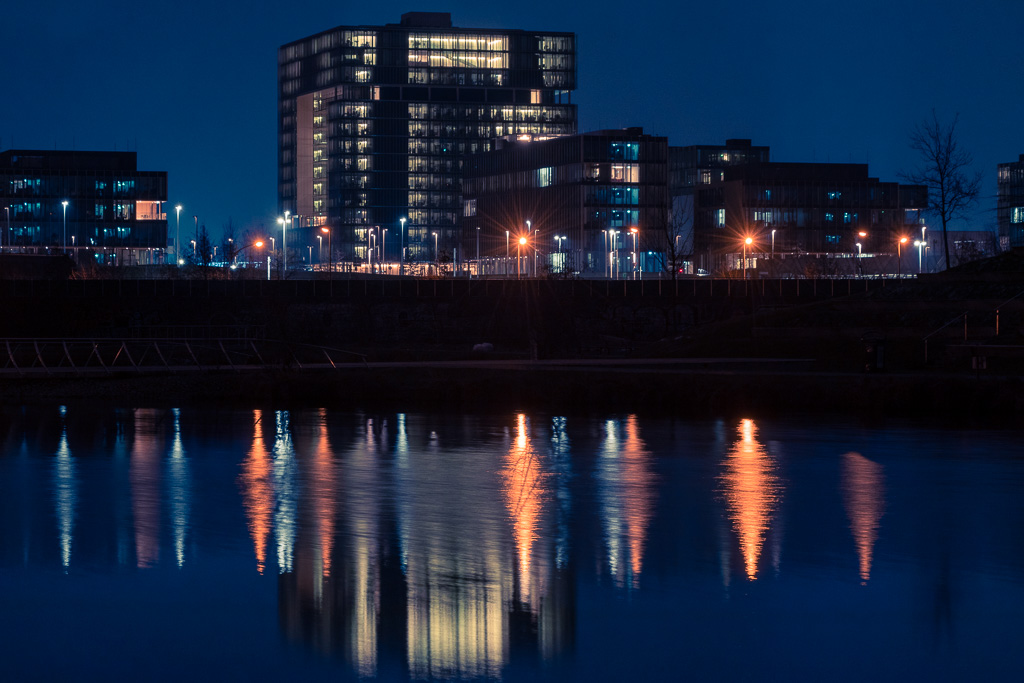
<point x="945" y="169"/>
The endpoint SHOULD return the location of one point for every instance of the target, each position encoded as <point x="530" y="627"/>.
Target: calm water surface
<point x="167" y="544"/>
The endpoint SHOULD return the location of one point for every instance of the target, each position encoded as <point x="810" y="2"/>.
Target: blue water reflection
<point x="411" y="546"/>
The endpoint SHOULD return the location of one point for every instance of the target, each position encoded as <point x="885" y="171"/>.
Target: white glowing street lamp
<point x="401" y="265"/>
<point x="64" y="246"/>
<point x="177" y="233"/>
<point x="920" y="259"/>
<point x="773" y="244"/>
<point x="636" y="259"/>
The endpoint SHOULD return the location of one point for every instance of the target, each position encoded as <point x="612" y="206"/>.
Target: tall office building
<point x="374" y="123"/>
<point x="1010" y="203"/>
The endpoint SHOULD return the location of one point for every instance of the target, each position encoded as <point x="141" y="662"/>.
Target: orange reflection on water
<point x="864" y="497"/>
<point x="144" y="473"/>
<point x="523" y="485"/>
<point x="258" y="491"/>
<point x="323" y="494"/>
<point x="752" y="493"/>
<point x="627" y="493"/>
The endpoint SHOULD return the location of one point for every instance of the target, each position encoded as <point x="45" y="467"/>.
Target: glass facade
<point x="574" y="201"/>
<point x="375" y="124"/>
<point x="90" y="204"/>
<point x="1010" y="203"/>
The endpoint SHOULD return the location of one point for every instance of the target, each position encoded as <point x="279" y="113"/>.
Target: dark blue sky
<point x="192" y="85"/>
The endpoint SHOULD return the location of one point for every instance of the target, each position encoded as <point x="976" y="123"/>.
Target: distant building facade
<point x="816" y="208"/>
<point x="1010" y="203"/>
<point x="575" y="199"/>
<point x="375" y="123"/>
<point x="113" y="214"/>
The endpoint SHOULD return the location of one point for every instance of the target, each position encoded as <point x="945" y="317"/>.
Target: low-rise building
<point x="1010" y="203"/>
<point x="94" y="205"/>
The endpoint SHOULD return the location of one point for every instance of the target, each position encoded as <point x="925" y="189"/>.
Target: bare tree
<point x="945" y="169"/>
<point x="674" y="238"/>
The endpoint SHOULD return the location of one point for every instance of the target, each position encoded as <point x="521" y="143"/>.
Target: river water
<point x="184" y="544"/>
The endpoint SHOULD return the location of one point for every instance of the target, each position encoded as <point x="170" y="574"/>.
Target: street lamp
<point x="401" y="265"/>
<point x="522" y="241"/>
<point x="234" y="261"/>
<point x="923" y="241"/>
<point x="746" y="243"/>
<point x="383" y="248"/>
<point x="636" y="261"/>
<point x="319" y="250"/>
<point x="437" y="262"/>
<point x="899" y="256"/>
<point x="330" y="253"/>
<point x="859" y="253"/>
<point x="528" y="228"/>
<point x="177" y="233"/>
<point x="920" y="259"/>
<point x="506" y="253"/>
<point x="64" y="246"/>
<point x="773" y="244"/>
<point x="477" y="251"/>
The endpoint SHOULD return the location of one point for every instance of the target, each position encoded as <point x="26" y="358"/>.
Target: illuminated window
<point x="626" y="173"/>
<point x="469" y="207"/>
<point x="834" y="195"/>
<point x="1017" y="214"/>
<point x="544" y="176"/>
<point x="705" y="177"/>
<point x="720" y="218"/>
<point x="535" y="97"/>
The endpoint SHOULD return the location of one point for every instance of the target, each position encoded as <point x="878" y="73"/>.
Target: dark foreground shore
<point x="690" y="392"/>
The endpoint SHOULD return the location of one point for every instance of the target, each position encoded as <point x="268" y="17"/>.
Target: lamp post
<point x="383" y="248"/>
<point x="923" y="241"/>
<point x="234" y="261"/>
<point x="859" y="253"/>
<point x="614" y="253"/>
<point x="193" y="248"/>
<point x="920" y="259"/>
<point x="310" y="247"/>
<point x="506" y="253"/>
<point x="773" y="244"/>
<point x="529" y="227"/>
<point x="177" y="234"/>
<point x="477" y="251"/>
<point x="64" y="245"/>
<point x="437" y="262"/>
<point x="636" y="261"/>
<point x="319" y="250"/>
<point x="196" y="219"/>
<point x="401" y="264"/>
<point x="746" y="243"/>
<point x="330" y="253"/>
<point x="520" y="243"/>
<point x="899" y="256"/>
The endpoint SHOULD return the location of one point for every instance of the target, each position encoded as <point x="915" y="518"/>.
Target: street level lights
<point x="746" y="243"/>
<point x="330" y="253"/>
<point x="635" y="259"/>
<point x="522" y="241"/>
<point x="899" y="256"/>
<point x="64" y="246"/>
<point x="177" y="234"/>
<point x="401" y="265"/>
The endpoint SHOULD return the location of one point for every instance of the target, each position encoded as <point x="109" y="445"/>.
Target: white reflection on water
<point x="66" y="493"/>
<point x="626" y="485"/>
<point x="180" y="493"/>
<point x="863" y="486"/>
<point x="752" y="493"/>
<point x="286" y="472"/>
<point x="459" y="577"/>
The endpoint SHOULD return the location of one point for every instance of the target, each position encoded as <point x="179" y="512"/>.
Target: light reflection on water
<point x="405" y="546"/>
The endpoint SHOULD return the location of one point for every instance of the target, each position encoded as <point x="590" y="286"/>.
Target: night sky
<point x="192" y="85"/>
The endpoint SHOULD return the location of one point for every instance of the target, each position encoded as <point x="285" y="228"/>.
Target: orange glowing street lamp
<point x="746" y="243"/>
<point x="899" y="256"/>
<point x="522" y="243"/>
<point x="330" y="253"/>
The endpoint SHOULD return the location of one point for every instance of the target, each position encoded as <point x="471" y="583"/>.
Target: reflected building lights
<point x="257" y="484"/>
<point x="863" y="484"/>
<point x="285" y="477"/>
<point x="144" y="475"/>
<point x="66" y="488"/>
<point x="752" y="493"/>
<point x="181" y="490"/>
<point x="626" y="485"/>
<point x="524" y="490"/>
